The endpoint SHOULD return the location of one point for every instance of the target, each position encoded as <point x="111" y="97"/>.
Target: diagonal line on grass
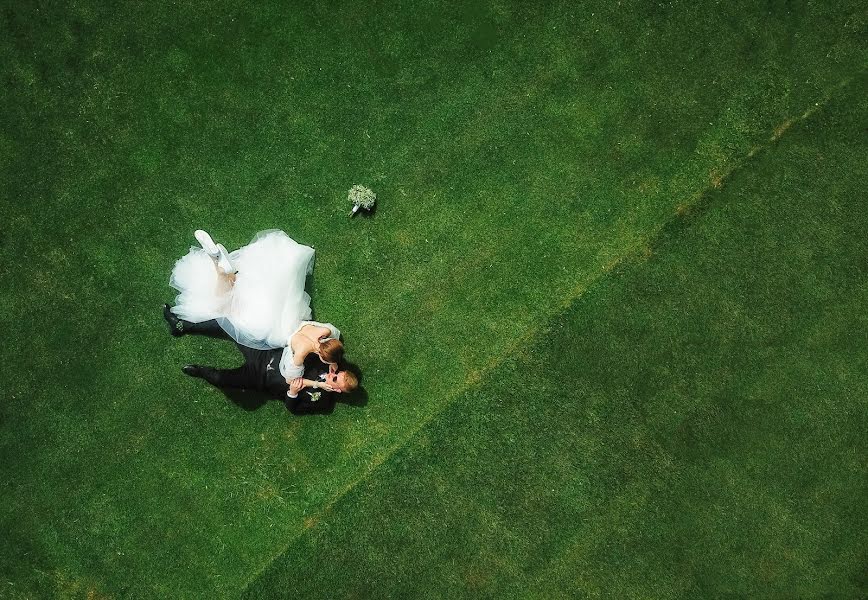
<point x="477" y="376"/>
<point x="575" y="541"/>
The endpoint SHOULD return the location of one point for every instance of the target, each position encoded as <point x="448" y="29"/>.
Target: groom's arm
<point x="308" y="399"/>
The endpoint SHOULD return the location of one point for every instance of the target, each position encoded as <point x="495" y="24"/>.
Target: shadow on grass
<point x="366" y="213"/>
<point x="248" y="400"/>
<point x="358" y="398"/>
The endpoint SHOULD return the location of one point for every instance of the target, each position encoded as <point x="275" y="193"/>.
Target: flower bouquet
<point x="361" y="197"/>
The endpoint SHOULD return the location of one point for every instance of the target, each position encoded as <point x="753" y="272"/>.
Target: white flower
<point x="315" y="396"/>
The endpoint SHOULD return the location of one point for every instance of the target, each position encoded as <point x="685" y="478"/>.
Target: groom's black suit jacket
<point x="311" y="400"/>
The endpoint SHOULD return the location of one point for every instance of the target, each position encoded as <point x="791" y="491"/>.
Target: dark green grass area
<point x="694" y="426"/>
<point x="519" y="150"/>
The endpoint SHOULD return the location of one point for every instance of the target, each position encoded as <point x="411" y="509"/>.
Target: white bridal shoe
<point x="216" y="251"/>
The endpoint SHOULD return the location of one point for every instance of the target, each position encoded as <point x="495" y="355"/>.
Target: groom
<point x="315" y="392"/>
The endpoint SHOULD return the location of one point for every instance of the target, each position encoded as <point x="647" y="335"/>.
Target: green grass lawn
<point x="574" y="385"/>
<point x="693" y="426"/>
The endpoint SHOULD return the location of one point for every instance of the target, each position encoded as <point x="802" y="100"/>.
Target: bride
<point x="256" y="295"/>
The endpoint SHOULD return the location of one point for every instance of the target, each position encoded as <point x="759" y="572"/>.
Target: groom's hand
<point x="295" y="386"/>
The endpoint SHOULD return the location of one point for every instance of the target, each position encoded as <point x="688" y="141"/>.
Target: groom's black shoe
<point x="209" y="374"/>
<point x="176" y="325"/>
<point x="193" y="370"/>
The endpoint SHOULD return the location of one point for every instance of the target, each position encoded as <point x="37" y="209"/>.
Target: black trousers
<point x="260" y="371"/>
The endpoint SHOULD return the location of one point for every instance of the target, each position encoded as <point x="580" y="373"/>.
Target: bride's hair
<point x="331" y="351"/>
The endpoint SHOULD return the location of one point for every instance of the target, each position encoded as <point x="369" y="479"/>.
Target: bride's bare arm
<point x="319" y="385"/>
<point x="322" y="332"/>
<point x="299" y="349"/>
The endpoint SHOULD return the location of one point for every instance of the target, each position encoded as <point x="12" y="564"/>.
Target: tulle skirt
<point x="268" y="300"/>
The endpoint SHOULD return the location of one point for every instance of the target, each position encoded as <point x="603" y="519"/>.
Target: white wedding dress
<point x="266" y="304"/>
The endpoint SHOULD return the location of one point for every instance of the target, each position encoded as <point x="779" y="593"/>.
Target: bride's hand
<point x="295" y="385"/>
<point x="333" y="368"/>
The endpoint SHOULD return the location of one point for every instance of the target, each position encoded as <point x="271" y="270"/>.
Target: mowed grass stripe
<point x="691" y="427"/>
<point x="404" y="351"/>
<point x="479" y="375"/>
<point x="765" y="501"/>
<point x="223" y="137"/>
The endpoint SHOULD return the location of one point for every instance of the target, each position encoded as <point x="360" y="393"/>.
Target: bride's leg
<point x="224" y="264"/>
<point x="217" y="252"/>
<point x="225" y="281"/>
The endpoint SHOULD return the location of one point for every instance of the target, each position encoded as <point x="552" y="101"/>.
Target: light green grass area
<point x="519" y="153"/>
<point x="693" y="426"/>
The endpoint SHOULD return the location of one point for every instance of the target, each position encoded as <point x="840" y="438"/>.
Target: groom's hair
<point x="351" y="379"/>
<point x="331" y="351"/>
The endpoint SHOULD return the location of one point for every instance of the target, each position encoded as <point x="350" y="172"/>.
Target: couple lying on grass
<point x="256" y="297"/>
